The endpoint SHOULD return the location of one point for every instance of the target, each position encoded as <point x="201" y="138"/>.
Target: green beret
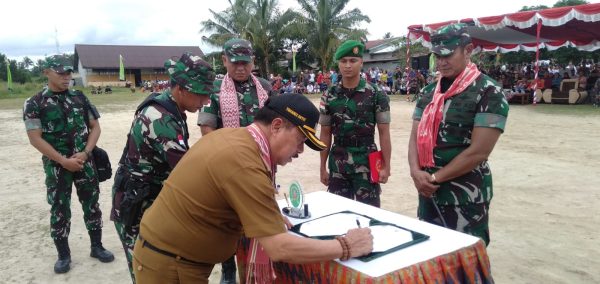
<point x="351" y="48"/>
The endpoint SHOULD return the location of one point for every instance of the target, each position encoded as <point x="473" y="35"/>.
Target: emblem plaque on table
<point x="296" y="207"/>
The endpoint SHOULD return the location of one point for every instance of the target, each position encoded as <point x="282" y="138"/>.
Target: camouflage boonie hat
<point x="58" y="63"/>
<point x="192" y="73"/>
<point x="238" y="49"/>
<point x="446" y="39"/>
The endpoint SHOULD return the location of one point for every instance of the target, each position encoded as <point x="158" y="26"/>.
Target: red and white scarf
<point x="228" y="101"/>
<point x="432" y="115"/>
<point x="260" y="266"/>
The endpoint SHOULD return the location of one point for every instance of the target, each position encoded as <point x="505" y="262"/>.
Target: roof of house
<point x="134" y="56"/>
<point x="373" y="43"/>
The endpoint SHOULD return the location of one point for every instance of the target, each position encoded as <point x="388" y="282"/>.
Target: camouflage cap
<point x="238" y="49"/>
<point x="58" y="63"/>
<point x="192" y="73"/>
<point x="447" y="38"/>
<point x="352" y="48"/>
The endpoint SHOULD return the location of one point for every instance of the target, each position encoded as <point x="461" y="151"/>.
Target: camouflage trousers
<point x="59" y="185"/>
<point x="356" y="187"/>
<point x="470" y="219"/>
<point x="129" y="234"/>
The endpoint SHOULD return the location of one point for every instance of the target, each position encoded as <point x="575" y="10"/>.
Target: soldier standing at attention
<point x="240" y="96"/>
<point x="457" y="121"/>
<point x="63" y="125"/>
<point x="156" y="142"/>
<point x="350" y="111"/>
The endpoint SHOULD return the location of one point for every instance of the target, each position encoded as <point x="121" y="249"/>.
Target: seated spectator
<point x="548" y="80"/>
<point x="310" y="88"/>
<point x="582" y="81"/>
<point x="521" y="85"/>
<point x="556" y="79"/>
<point x="300" y="89"/>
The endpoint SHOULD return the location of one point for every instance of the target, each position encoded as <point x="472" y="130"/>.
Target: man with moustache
<point x="457" y="122"/>
<point x="240" y="96"/>
<point x="225" y="187"/>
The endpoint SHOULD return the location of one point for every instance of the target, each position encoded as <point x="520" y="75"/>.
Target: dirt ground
<point x="544" y="219"/>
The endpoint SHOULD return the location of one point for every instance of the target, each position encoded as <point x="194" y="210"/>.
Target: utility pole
<point x="56" y="40"/>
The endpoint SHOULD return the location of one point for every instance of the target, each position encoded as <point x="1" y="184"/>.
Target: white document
<point x="385" y="237"/>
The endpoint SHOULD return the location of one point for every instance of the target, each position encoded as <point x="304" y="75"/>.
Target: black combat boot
<point x="63" y="264"/>
<point x="98" y="251"/>
<point x="228" y="270"/>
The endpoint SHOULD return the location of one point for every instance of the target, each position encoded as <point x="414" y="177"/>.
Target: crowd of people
<point x="179" y="209"/>
<point x="521" y="78"/>
<point x="397" y="81"/>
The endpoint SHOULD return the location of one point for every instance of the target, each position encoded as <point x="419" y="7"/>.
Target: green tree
<point x="27" y="62"/>
<point x="259" y="21"/>
<point x="325" y="25"/>
<point x="416" y="49"/>
<point x="533" y="8"/>
<point x="564" y="3"/>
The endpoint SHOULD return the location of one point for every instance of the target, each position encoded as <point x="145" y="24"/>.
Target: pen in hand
<point x="358" y="223"/>
<point x="286" y="199"/>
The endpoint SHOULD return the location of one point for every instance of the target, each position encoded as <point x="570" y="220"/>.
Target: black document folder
<point x="388" y="237"/>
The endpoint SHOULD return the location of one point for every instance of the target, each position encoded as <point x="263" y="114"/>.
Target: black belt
<point x="166" y="253"/>
<point x="354" y="141"/>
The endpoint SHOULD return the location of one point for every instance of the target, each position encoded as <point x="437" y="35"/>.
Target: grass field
<point x="123" y="96"/>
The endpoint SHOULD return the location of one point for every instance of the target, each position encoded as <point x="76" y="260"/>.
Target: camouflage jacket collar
<point x="49" y="93"/>
<point x="362" y="86"/>
<point x="250" y="82"/>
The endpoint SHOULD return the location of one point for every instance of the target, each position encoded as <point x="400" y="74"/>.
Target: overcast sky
<point x="31" y="27"/>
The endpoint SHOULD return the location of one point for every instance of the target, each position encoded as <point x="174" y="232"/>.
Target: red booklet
<point x="375" y="164"/>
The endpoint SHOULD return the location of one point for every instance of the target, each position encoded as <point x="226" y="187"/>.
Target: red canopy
<point x="577" y="26"/>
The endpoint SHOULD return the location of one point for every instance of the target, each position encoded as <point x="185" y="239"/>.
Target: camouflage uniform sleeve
<point x="324" y="112"/>
<point x="31" y="115"/>
<point x="93" y="114"/>
<point x="382" y="107"/>
<point x="423" y="99"/>
<point x="162" y="133"/>
<point x="207" y="116"/>
<point x="492" y="108"/>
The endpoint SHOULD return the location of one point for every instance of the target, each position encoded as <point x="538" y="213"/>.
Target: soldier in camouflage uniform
<point x="246" y="92"/>
<point x="157" y="140"/>
<point x="240" y="96"/>
<point x="63" y="125"/>
<point x="457" y="122"/>
<point x="350" y="111"/>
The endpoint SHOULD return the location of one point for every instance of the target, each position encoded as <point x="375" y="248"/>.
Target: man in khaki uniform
<point x="224" y="186"/>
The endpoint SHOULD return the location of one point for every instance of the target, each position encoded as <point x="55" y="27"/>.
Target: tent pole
<point x="407" y="64"/>
<point x="537" y="58"/>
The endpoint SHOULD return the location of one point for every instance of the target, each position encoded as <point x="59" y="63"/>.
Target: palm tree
<point x="27" y="62"/>
<point x="227" y="24"/>
<point x="326" y="25"/>
<point x="258" y="21"/>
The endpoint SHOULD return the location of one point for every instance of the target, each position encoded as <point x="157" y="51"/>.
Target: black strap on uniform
<point x="170" y="106"/>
